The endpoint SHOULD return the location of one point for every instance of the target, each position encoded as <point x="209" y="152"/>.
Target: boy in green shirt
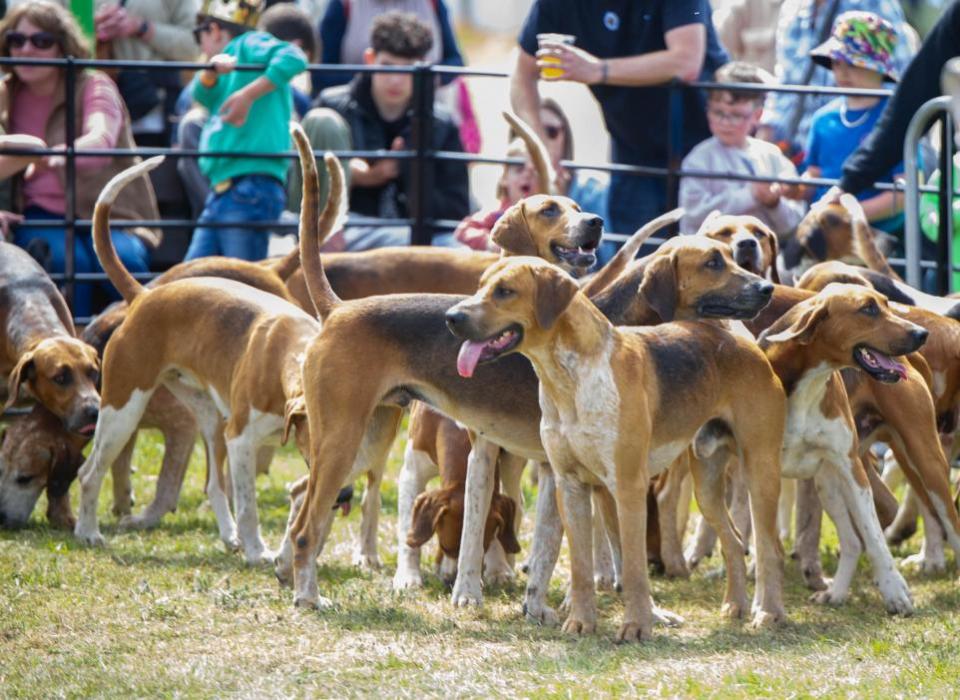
<point x="242" y="189"/>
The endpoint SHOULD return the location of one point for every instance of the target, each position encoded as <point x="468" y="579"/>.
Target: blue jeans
<point x="250" y="198"/>
<point x="131" y="250"/>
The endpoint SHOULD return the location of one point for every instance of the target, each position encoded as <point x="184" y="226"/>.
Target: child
<point x="517" y="181"/>
<point x="732" y="115"/>
<point x="242" y="189"/>
<point x="860" y="53"/>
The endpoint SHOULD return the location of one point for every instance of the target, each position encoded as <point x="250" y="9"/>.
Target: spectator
<point x="251" y="188"/>
<point x="32" y="102"/>
<point x="860" y="54"/>
<point x="148" y="30"/>
<point x="518" y="180"/>
<point x="748" y="30"/>
<point x="372" y="112"/>
<point x="345" y="34"/>
<point x="625" y="56"/>
<point x="732" y="116"/>
<point x="805" y="24"/>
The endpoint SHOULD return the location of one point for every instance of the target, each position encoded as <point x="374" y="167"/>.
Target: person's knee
<point x="326" y="129"/>
<point x="132" y="251"/>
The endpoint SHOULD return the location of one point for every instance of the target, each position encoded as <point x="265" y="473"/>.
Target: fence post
<point x="945" y="207"/>
<point x="69" y="262"/>
<point x="674" y="144"/>
<point x="421" y="128"/>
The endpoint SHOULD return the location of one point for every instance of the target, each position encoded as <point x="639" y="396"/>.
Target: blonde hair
<point x="49" y="17"/>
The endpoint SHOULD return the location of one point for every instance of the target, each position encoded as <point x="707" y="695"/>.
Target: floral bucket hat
<point x="861" y="39"/>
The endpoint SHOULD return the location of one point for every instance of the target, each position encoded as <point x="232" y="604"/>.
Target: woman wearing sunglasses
<point x="33" y="102"/>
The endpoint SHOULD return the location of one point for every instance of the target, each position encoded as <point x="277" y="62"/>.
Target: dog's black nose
<point x="919" y="336"/>
<point x="455" y="319"/>
<point x="765" y="288"/>
<point x="595" y="222"/>
<point x="746" y="243"/>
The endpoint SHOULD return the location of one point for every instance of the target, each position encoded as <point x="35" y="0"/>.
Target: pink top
<point x="474" y="231"/>
<point x="29" y="115"/>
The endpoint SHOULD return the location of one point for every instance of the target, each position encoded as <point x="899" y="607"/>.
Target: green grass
<point x="170" y="613"/>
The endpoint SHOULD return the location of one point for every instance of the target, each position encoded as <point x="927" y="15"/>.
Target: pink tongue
<point x="468" y="357"/>
<point x="890" y="365"/>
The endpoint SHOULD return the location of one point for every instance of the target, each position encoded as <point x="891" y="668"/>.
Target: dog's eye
<point x="94" y="376"/>
<point x="551" y="210"/>
<point x="871" y="309"/>
<point x="501" y="292"/>
<point x="714" y="263"/>
<point x="62" y="378"/>
<point x="24" y="480"/>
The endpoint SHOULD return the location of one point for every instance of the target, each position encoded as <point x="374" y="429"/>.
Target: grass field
<point x="170" y="613"/>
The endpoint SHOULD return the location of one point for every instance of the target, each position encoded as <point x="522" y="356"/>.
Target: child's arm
<point x="206" y="86"/>
<point x="802" y="192"/>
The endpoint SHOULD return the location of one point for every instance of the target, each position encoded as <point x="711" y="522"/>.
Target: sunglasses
<point x="40" y="40"/>
<point x="199" y="30"/>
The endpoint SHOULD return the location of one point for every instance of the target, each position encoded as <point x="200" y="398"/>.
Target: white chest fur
<point x="580" y="423"/>
<point x="809" y="436"/>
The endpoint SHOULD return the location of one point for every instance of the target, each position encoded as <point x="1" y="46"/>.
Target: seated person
<point x="732" y="115"/>
<point x="517" y="181"/>
<point x="860" y="54"/>
<point x="32" y="102"/>
<point x="373" y="112"/>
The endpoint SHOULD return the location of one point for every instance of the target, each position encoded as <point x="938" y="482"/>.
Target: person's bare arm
<point x="682" y="59"/>
<point x="524" y="91"/>
<point x="10" y="164"/>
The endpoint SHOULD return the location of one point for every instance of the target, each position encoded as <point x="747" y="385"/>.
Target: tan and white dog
<point x="620" y="405"/>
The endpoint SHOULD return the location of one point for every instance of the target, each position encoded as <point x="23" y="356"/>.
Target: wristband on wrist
<point x="605" y="72"/>
<point x="208" y="78"/>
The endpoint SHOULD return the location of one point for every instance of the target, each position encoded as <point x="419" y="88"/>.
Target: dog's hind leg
<point x="122" y="488"/>
<point x="374" y="452"/>
<point x="476" y="503"/>
<point x="416" y="471"/>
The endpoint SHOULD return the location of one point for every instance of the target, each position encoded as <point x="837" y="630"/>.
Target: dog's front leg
<point x="479" y="491"/>
<point x="578" y="524"/>
<point x="632" y="485"/>
<point x="416" y="471"/>
<point x="547" y="536"/>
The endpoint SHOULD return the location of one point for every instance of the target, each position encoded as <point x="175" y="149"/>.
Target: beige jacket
<point x="748" y="30"/>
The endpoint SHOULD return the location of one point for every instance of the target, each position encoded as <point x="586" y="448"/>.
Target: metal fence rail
<point x="420" y="154"/>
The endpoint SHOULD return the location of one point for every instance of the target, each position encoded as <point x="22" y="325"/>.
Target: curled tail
<point x="287" y="265"/>
<point x="314" y="230"/>
<point x="628" y="251"/>
<point x="864" y="242"/>
<point x="120" y="276"/>
<point x="538" y="153"/>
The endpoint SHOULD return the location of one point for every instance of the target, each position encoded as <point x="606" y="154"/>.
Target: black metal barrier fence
<point x="420" y="153"/>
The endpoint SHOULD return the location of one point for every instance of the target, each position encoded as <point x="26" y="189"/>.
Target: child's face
<point x="519" y="181"/>
<point x="855" y="77"/>
<point x="391" y="91"/>
<point x="732" y="122"/>
<point x="211" y="37"/>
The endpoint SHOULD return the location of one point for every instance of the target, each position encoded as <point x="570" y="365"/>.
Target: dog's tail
<point x="284" y="267"/>
<point x="314" y="230"/>
<point x="538" y="152"/>
<point x="125" y="283"/>
<point x="864" y="242"/>
<point x="628" y="251"/>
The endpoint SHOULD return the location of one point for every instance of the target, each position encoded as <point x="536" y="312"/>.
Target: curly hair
<point x="401" y="34"/>
<point x="49" y="17"/>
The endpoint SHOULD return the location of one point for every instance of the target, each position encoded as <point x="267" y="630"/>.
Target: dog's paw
<point x="631" y="631"/>
<point x="140" y="522"/>
<point x="91" y="538"/>
<point x="259" y="557"/>
<point x="813" y="578"/>
<point x="764" y="619"/>
<point x="828" y="597"/>
<point x="541" y="615"/>
<point x="405" y="580"/>
<point x="317" y="603"/>
<point x="732" y="610"/>
<point x="605" y="581"/>
<point x="466" y="593"/>
<point x="500" y="577"/>
<point x="366" y="561"/>
<point x="579" y="625"/>
<point x="896" y="594"/>
<point x="676" y="567"/>
<point x="928" y="566"/>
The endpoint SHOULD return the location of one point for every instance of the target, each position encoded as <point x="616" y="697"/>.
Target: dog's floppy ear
<point x="771" y="237"/>
<point x="427" y="511"/>
<point x="503" y="510"/>
<point x="24" y="371"/>
<point x="555" y="291"/>
<point x="659" y="286"/>
<point x="295" y="409"/>
<point x="512" y="233"/>
<point x="801" y="330"/>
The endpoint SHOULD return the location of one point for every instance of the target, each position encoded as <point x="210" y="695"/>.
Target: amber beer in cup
<point x="546" y="71"/>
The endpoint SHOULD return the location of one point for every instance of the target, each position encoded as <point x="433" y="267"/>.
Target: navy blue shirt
<point x="636" y="117"/>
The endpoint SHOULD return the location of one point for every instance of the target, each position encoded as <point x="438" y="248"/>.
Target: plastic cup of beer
<point x="547" y="71"/>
